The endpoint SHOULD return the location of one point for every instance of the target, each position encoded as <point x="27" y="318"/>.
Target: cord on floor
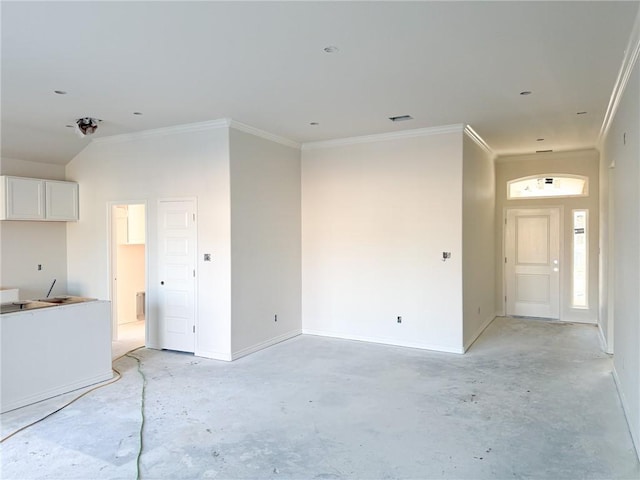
<point x="142" y="400"/>
<point x="114" y="380"/>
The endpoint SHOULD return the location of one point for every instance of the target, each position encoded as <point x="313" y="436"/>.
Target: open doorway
<point x="128" y="267"/>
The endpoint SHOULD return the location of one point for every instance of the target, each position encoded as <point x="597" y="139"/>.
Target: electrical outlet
<point x="399" y="319"/>
<point x="207" y="257"/>
<point x="39" y="267"/>
<point x="446" y="256"/>
<point x="275" y="318"/>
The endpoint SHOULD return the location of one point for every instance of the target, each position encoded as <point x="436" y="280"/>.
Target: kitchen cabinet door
<point x="23" y="199"/>
<point x="136" y="225"/>
<point x="61" y="201"/>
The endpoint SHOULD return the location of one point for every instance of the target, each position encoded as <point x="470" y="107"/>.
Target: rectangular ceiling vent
<point x="401" y="118"/>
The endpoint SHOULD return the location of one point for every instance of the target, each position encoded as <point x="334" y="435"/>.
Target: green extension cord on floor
<point x="119" y="376"/>
<point x="142" y="396"/>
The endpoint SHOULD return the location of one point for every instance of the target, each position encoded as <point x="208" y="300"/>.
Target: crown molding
<point x="626" y="69"/>
<point x="263" y="134"/>
<point x="473" y="135"/>
<point x="418" y="132"/>
<point x="555" y="155"/>
<point x="159" y="132"/>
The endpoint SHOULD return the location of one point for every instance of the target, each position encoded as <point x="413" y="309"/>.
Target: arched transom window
<point x="545" y="186"/>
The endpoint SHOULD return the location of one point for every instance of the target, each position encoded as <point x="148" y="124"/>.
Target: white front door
<point x="532" y="262"/>
<point x="177" y="264"/>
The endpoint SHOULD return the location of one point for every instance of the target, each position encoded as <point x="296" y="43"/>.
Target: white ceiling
<point x="263" y="64"/>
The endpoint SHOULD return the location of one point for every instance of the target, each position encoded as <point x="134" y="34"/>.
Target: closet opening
<point x="128" y="279"/>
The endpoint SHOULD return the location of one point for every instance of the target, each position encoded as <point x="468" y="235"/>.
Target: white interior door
<point x="177" y="263"/>
<point x="532" y="263"/>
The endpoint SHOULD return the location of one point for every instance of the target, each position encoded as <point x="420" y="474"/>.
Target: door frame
<point x="505" y="211"/>
<point x="113" y="256"/>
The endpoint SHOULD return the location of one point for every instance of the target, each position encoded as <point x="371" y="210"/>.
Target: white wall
<point x="581" y="162"/>
<point x="605" y="313"/>
<point x="622" y="146"/>
<point x="377" y="216"/>
<point x="24" y="245"/>
<point x="478" y="239"/>
<point x="25" y="168"/>
<point x="171" y="163"/>
<point x="265" y="242"/>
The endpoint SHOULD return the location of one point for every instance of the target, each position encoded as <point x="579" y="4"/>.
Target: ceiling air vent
<point x="401" y="118"/>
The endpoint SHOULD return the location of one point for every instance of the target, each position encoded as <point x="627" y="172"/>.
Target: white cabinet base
<point x="54" y="350"/>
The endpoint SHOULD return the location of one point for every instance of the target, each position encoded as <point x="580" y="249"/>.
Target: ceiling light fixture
<point x="401" y="118"/>
<point x="86" y="126"/>
<point x="60" y="92"/>
<point x="526" y="92"/>
<point x="331" y="49"/>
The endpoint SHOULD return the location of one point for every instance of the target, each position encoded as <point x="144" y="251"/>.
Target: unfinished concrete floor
<point x="130" y="336"/>
<point x="531" y="399"/>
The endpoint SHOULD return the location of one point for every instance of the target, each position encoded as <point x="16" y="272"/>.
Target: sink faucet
<point x="49" y="292"/>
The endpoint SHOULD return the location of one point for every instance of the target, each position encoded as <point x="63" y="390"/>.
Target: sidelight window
<point x="580" y="258"/>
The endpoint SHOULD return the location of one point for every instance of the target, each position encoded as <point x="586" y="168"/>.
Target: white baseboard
<point x="213" y="355"/>
<point x="603" y="341"/>
<point x="482" y="328"/>
<point x="583" y="321"/>
<point x="625" y="408"/>
<point x="54" y="392"/>
<point x="385" y="341"/>
<point x="265" y="344"/>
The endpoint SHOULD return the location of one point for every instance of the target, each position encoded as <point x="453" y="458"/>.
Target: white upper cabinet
<point x="61" y="200"/>
<point x="36" y="199"/>
<point x="135" y="225"/>
<point x="23" y="198"/>
<point x="130" y="224"/>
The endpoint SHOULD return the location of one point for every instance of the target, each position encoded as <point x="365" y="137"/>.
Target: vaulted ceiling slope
<point x="264" y="64"/>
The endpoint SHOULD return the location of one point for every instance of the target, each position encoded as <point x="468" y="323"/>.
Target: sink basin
<point x="56" y="300"/>
<point x="65" y="300"/>
<point x="13" y="307"/>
